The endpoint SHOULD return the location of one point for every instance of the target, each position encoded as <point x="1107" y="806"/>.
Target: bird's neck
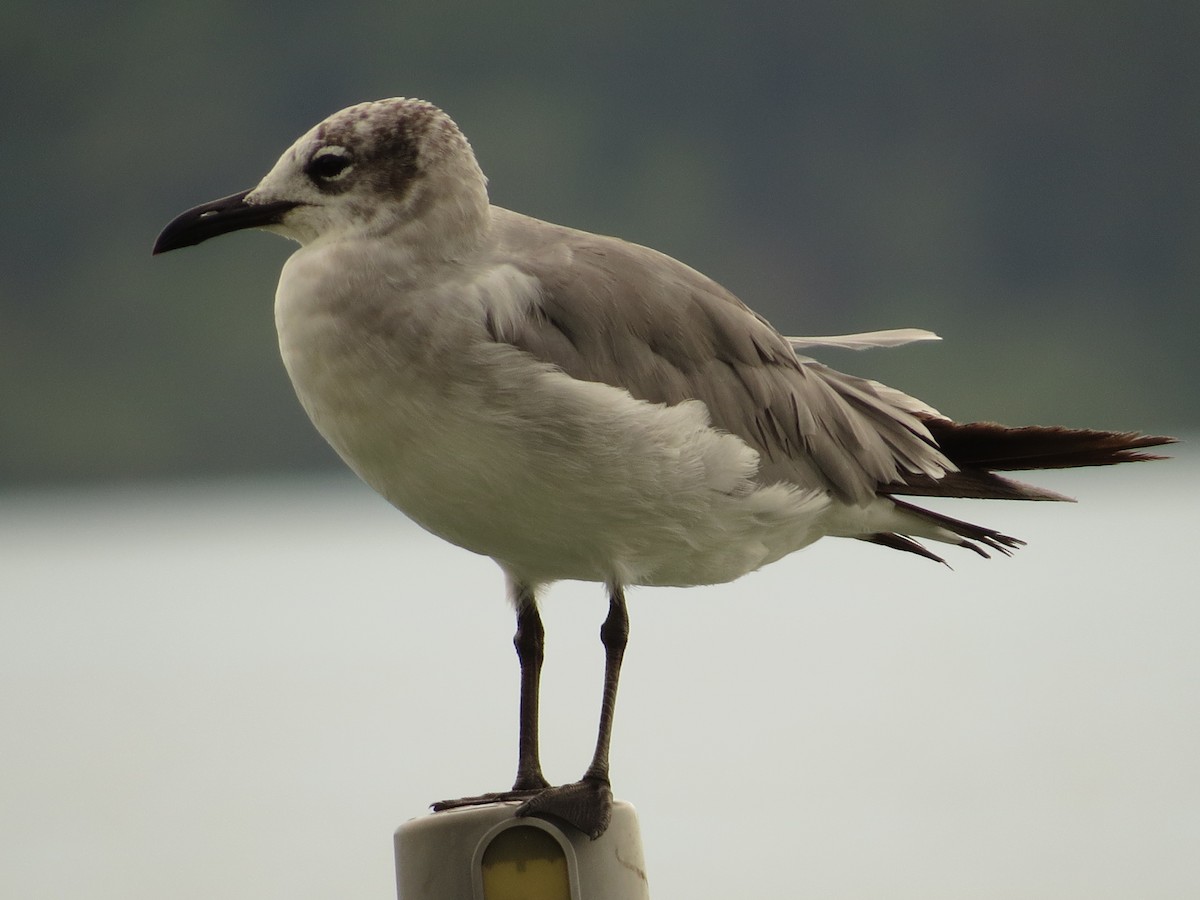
<point x="446" y="217"/>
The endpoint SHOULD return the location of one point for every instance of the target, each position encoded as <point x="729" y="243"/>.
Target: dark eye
<point x="329" y="164"/>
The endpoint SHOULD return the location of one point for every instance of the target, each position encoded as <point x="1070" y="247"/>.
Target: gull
<point x="578" y="407"/>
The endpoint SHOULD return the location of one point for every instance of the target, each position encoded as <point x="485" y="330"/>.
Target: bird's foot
<point x="481" y="799"/>
<point x="586" y="805"/>
<point x="529" y="783"/>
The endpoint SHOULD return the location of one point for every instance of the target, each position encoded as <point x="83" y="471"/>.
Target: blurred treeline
<point x="1018" y="176"/>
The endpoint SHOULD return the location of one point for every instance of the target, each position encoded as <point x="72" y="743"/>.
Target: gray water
<point x="239" y="690"/>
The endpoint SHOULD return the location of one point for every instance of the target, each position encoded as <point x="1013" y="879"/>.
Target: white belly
<point x="552" y="477"/>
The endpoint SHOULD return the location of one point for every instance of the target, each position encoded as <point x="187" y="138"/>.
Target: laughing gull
<point x="578" y="407"/>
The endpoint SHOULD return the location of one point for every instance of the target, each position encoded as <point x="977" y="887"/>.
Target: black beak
<point x="220" y="217"/>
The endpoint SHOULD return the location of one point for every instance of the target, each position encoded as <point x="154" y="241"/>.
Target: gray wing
<point x="631" y="317"/>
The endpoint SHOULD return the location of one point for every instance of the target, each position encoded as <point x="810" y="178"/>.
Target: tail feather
<point x="895" y="541"/>
<point x="968" y="531"/>
<point x="987" y="445"/>
<point x="980" y="449"/>
<point x="976" y="484"/>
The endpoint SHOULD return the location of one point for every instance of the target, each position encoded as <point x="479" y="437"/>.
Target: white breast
<point x="508" y="457"/>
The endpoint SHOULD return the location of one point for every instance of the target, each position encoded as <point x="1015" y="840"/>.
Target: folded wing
<point x="631" y="317"/>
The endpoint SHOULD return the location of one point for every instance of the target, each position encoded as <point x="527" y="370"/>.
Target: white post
<point x="487" y="853"/>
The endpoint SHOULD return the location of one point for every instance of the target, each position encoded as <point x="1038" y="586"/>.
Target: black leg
<point x="529" y="641"/>
<point x="614" y="634"/>
<point x="587" y="804"/>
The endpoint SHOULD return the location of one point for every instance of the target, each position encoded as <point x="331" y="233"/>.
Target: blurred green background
<point x="1018" y="176"/>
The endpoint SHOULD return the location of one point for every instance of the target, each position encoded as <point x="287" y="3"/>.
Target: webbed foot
<point x="585" y="805"/>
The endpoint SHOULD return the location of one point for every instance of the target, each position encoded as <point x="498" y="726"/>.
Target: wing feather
<point x="631" y="317"/>
<point x="866" y="340"/>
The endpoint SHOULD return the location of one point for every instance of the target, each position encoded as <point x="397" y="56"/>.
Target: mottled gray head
<point x="371" y="168"/>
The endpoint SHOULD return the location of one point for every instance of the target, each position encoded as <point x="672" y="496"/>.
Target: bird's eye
<point x="329" y="164"/>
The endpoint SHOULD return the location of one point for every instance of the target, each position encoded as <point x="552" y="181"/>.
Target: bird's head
<point x="369" y="169"/>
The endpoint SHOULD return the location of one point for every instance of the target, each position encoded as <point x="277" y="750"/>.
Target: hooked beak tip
<point x="219" y="217"/>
